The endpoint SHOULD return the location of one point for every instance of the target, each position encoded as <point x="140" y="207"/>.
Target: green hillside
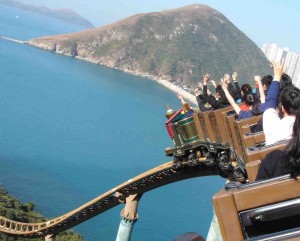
<point x="178" y="45"/>
<point x="13" y="209"/>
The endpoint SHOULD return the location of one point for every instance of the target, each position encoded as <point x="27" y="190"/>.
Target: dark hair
<point x="249" y="98"/>
<point x="290" y="99"/>
<point x="285" y="81"/>
<point x="267" y="80"/>
<point x="246" y="88"/>
<point x="293" y="148"/>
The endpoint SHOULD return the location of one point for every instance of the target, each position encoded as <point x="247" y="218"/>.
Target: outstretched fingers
<point x="279" y="70"/>
<point x="223" y="83"/>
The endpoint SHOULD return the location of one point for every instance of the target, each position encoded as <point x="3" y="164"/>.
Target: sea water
<point x="71" y="130"/>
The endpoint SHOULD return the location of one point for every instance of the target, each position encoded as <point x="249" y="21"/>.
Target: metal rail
<point x="147" y="181"/>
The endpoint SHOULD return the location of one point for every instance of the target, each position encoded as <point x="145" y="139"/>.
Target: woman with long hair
<point x="278" y="163"/>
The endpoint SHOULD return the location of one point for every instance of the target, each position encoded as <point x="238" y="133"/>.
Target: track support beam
<point x="129" y="216"/>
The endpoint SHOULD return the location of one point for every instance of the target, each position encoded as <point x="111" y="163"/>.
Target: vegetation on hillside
<point x="13" y="209"/>
<point x="178" y="45"/>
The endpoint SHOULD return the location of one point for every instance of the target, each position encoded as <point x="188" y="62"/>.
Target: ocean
<point x="72" y="130"/>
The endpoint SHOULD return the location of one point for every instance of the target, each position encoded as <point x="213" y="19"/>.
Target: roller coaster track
<point x="147" y="181"/>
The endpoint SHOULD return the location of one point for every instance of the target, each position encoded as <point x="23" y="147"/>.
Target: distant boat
<point x="17" y="17"/>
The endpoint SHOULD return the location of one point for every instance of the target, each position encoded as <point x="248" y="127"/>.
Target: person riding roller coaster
<point x="186" y="110"/>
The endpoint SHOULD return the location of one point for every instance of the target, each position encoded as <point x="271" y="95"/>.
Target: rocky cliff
<point x="178" y="45"/>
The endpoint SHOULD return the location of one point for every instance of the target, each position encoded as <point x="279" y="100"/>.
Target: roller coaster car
<point x="217" y="139"/>
<point x="185" y="138"/>
<point x="192" y="142"/>
<point x="264" y="210"/>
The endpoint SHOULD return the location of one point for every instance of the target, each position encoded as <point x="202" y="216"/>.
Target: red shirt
<point x="244" y="107"/>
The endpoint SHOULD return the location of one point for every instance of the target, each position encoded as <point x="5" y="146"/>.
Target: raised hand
<point x="227" y="78"/>
<point x="208" y="92"/>
<point x="180" y="97"/>
<point x="278" y="70"/>
<point x="206" y="78"/>
<point x="257" y="78"/>
<point x="224" y="83"/>
<point x="214" y="83"/>
<point x="235" y="76"/>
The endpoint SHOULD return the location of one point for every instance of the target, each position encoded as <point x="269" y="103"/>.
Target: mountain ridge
<point x="66" y="15"/>
<point x="177" y="45"/>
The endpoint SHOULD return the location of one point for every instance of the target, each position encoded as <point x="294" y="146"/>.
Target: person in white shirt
<point x="276" y="129"/>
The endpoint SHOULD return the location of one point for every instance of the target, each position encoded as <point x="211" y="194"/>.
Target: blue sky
<point x="263" y="21"/>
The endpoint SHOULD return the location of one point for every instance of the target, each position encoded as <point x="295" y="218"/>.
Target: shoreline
<point x="13" y="40"/>
<point x="176" y="89"/>
<point x="167" y="84"/>
<point x="186" y="95"/>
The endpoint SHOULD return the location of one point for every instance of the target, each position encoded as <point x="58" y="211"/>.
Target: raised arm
<point x="229" y="97"/>
<point x="181" y="99"/>
<point x="214" y="83"/>
<point x="206" y="78"/>
<point x="262" y="96"/>
<point x="272" y="97"/>
<point x="230" y="86"/>
<point x="238" y="94"/>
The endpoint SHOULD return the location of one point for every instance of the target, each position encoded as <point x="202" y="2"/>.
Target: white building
<point x="296" y="75"/>
<point x="271" y="51"/>
<point x="290" y="60"/>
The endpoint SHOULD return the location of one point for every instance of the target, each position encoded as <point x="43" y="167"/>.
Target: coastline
<point x="176" y="89"/>
<point x="167" y="84"/>
<point x="186" y="95"/>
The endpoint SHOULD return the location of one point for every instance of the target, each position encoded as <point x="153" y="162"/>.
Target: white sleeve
<point x="271" y="125"/>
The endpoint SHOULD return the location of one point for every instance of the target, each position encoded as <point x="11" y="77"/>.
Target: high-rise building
<point x="296" y="76"/>
<point x="271" y="51"/>
<point x="290" y="60"/>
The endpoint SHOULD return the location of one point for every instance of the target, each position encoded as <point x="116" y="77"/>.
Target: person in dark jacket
<point x="220" y="100"/>
<point x="201" y="100"/>
<point x="235" y="90"/>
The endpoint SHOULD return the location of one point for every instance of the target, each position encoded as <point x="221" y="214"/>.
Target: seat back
<point x="257" y="198"/>
<point x="206" y="126"/>
<point x="253" y="139"/>
<point x="238" y="130"/>
<point x="252" y="169"/>
<point x="227" y="130"/>
<point x="260" y="152"/>
<point x="199" y="123"/>
<point x="218" y="124"/>
<point x="233" y="140"/>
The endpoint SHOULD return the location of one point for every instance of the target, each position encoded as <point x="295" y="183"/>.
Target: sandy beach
<point x="186" y="95"/>
<point x="177" y="90"/>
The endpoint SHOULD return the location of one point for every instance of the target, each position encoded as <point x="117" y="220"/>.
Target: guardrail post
<point x="129" y="216"/>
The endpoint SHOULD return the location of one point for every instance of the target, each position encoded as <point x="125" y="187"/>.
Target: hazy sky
<point x="264" y="21"/>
